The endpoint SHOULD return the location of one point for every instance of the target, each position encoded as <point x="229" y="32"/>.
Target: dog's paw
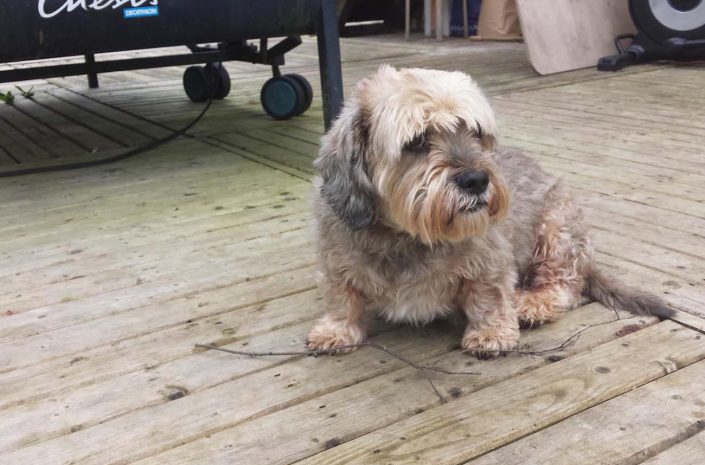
<point x="532" y="310"/>
<point x="490" y="342"/>
<point x="335" y="335"/>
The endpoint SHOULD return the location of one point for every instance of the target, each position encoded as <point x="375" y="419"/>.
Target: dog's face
<point x="412" y="151"/>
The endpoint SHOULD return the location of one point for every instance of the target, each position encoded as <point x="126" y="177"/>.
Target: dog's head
<point x="412" y="150"/>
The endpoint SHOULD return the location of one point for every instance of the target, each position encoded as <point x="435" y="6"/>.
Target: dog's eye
<point x="418" y="144"/>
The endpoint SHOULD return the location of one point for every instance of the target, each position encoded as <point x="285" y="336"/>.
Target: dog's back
<point x="529" y="185"/>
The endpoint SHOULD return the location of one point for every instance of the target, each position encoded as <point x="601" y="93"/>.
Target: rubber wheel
<point x="220" y="77"/>
<point x="647" y="20"/>
<point x="308" y="91"/>
<point x="197" y="83"/>
<point x="283" y="97"/>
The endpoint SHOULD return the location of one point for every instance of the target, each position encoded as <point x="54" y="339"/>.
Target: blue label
<point x="141" y="12"/>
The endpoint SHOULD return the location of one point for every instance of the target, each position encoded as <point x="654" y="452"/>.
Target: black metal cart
<point x="38" y="29"/>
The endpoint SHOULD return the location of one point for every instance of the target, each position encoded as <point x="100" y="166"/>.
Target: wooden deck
<point x="111" y="275"/>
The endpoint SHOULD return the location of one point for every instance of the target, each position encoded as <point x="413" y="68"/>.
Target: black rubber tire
<point x="197" y="83"/>
<point x="647" y="23"/>
<point x="283" y="97"/>
<point x="220" y="77"/>
<point x="308" y="91"/>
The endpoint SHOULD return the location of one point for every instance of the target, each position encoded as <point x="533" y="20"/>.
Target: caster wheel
<point x="198" y="84"/>
<point x="283" y="97"/>
<point x="219" y="75"/>
<point x="308" y="90"/>
<point x="202" y="82"/>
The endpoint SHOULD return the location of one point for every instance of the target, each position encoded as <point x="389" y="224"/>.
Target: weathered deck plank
<point x="627" y="429"/>
<point x="376" y="403"/>
<point x="469" y="427"/>
<point x="212" y="315"/>
<point x="688" y="452"/>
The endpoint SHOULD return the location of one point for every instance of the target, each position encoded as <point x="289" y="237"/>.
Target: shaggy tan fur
<point x="419" y="215"/>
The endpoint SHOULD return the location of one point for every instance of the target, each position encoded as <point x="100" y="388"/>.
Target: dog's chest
<point x="413" y="287"/>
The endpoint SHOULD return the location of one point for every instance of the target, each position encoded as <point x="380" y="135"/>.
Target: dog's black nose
<point x="474" y="182"/>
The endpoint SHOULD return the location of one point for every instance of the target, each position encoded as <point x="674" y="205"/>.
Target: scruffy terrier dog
<point x="419" y="216"/>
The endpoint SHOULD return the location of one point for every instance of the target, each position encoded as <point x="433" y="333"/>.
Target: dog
<point x="420" y="215"/>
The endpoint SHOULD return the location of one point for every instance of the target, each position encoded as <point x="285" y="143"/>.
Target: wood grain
<point x="452" y="433"/>
<point x="627" y="429"/>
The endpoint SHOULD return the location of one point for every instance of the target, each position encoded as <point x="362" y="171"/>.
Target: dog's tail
<point x="615" y="295"/>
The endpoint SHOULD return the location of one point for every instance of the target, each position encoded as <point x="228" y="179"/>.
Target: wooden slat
<point x="129" y="128"/>
<point x="19" y="147"/>
<point x="208" y="409"/>
<point x="275" y="153"/>
<point x="211" y="374"/>
<point x="61" y="254"/>
<point x="689" y="452"/>
<point x="453" y="433"/>
<point x="304" y="379"/>
<point x="149" y="267"/>
<point x="182" y="162"/>
<point x="20" y="138"/>
<point x="628" y="429"/>
<point x="91" y="403"/>
<point x="120" y="326"/>
<point x="211" y="316"/>
<point x="53" y="132"/>
<point x="689" y="320"/>
<point x="6" y="158"/>
<point x="604" y="142"/>
<point x="68" y="123"/>
<point x="169" y="203"/>
<point x="381" y="401"/>
<point x="93" y="121"/>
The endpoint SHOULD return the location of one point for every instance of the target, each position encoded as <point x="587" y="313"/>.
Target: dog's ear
<point x="342" y="166"/>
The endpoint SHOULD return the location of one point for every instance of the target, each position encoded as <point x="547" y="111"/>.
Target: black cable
<point x="122" y="156"/>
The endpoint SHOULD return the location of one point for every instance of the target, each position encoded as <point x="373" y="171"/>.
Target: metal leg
<point x="329" y="63"/>
<point x="465" y="19"/>
<point x="407" y="18"/>
<point x="92" y="75"/>
<point x="439" y="19"/>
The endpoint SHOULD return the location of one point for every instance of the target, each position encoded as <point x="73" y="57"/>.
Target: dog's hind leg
<point x="556" y="274"/>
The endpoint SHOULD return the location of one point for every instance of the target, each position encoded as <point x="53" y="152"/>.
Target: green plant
<point x="7" y="97"/>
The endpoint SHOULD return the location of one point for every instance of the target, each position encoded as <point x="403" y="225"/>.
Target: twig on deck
<point x="570" y="341"/>
<point x="336" y="350"/>
<point x="424" y="369"/>
<point x="421" y="368"/>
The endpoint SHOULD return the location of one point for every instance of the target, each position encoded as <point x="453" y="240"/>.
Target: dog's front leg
<point x="342" y="324"/>
<point x="492" y="321"/>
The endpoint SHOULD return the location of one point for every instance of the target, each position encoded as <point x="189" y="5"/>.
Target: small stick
<point x="570" y="341"/>
<point x="335" y="350"/>
<point x="421" y="368"/>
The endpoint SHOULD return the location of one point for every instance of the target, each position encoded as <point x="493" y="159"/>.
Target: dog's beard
<point x="432" y="208"/>
<point x="472" y="203"/>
